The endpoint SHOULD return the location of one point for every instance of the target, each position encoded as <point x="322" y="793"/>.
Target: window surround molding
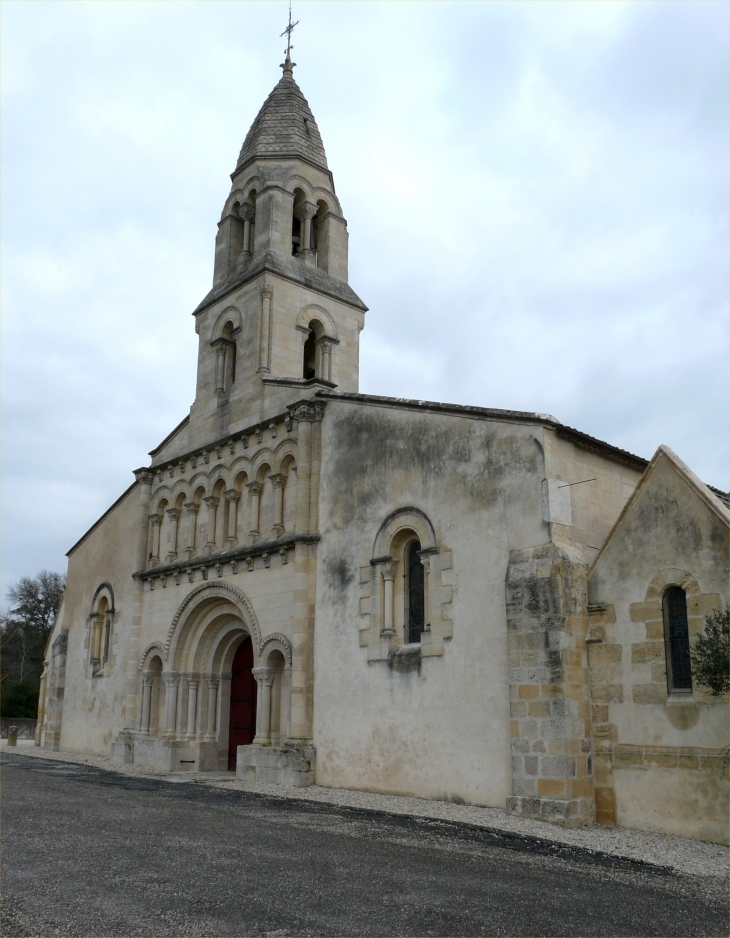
<point x="101" y="639"/>
<point x="380" y="632"/>
<point x="648" y="666"/>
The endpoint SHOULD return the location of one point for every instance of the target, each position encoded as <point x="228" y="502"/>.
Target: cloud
<point x="536" y="196"/>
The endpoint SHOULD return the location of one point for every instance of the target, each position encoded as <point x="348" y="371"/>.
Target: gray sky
<point x="536" y="196"/>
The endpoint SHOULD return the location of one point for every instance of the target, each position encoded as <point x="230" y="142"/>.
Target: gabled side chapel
<point x="309" y="584"/>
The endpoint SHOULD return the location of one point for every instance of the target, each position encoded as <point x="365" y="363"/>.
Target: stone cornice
<point x="259" y="549"/>
<point x="314" y="278"/>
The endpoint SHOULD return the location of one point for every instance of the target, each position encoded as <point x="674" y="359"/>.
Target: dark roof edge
<point x="600" y="446"/>
<point x="723" y="496"/>
<point x="170" y="435"/>
<point x="98" y="521"/>
<point x="461" y="409"/>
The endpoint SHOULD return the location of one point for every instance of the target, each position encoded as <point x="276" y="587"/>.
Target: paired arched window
<point x="676" y="640"/>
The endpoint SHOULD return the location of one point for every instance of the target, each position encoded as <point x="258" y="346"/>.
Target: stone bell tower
<point x="281" y="320"/>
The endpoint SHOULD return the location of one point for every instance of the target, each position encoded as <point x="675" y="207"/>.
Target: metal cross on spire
<point x="288" y="31"/>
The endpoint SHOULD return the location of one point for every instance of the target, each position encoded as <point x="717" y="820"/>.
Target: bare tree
<point x="24" y="630"/>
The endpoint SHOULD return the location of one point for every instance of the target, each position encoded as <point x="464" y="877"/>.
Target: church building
<point x="312" y="585"/>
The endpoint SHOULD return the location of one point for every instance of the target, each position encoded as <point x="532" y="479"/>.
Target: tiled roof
<point x="284" y="126"/>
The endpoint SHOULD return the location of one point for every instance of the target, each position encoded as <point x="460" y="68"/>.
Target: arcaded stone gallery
<point x="312" y="585"/>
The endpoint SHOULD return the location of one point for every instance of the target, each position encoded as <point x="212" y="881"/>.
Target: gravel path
<point x="693" y="857"/>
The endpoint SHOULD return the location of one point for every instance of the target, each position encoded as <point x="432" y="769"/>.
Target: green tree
<point x="711" y="654"/>
<point x="24" y="632"/>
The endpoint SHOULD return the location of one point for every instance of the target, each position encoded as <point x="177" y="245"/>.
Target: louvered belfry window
<point x="415" y="591"/>
<point x="676" y="639"/>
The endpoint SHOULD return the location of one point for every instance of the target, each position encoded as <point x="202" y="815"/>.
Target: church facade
<point x="312" y="585"/>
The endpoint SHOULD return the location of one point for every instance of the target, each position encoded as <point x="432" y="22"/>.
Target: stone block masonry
<point x="550" y="704"/>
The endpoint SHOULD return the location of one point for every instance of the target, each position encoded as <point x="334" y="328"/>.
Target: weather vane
<point x="288" y="31"/>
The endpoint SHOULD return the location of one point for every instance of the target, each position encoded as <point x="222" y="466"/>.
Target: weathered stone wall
<point x="430" y="720"/>
<point x="548" y="682"/>
<point x="658" y="755"/>
<point x="92" y="710"/>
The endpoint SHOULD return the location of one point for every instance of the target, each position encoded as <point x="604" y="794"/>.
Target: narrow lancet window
<point x="415" y="585"/>
<point x="310" y="356"/>
<point x="676" y="639"/>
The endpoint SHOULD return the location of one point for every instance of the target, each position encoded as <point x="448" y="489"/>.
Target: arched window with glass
<point x="415" y="587"/>
<point x="676" y="640"/>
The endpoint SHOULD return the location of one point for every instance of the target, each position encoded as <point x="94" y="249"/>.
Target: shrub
<point x="20" y="700"/>
<point x="711" y="654"/>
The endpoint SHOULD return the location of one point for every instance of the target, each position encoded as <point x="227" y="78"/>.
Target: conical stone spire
<point x="284" y="127"/>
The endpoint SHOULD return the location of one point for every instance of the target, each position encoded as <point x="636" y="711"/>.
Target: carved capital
<point x="277" y="480"/>
<point x="267" y="291"/>
<point x="174" y="513"/>
<point x="255" y="488"/>
<point x="307" y="411"/>
<point x="247" y="212"/>
<point x="305" y="210"/>
<point x="144" y="476"/>
<point x="232" y="495"/>
<point x="192" y="508"/>
<point x="211" y="501"/>
<point x="388" y="568"/>
<point x="264" y="675"/>
<point x="156" y="519"/>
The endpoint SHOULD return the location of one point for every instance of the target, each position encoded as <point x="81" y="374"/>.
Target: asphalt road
<point x="87" y="852"/>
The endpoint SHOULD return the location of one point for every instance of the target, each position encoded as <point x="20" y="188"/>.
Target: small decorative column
<point x="388" y="573"/>
<point x="170" y="704"/>
<point x="212" y="502"/>
<point x="264" y="678"/>
<point x="212" y="707"/>
<point x="267" y="293"/>
<point x="96" y="634"/>
<point x="255" y="488"/>
<point x="192" y="510"/>
<point x="220" y="365"/>
<point x="174" y="515"/>
<point x="326" y="353"/>
<point x="247" y="213"/>
<point x="278" y="481"/>
<point x="304" y="415"/>
<point x="147" y="678"/>
<point x="425" y="557"/>
<point x="155" y="521"/>
<point x="192" y="705"/>
<point x="305" y="214"/>
<point x="232" y="497"/>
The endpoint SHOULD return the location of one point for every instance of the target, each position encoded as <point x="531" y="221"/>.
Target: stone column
<point x="97" y="629"/>
<point x="278" y="481"/>
<point x="212" y="502"/>
<point x="316" y="462"/>
<point x="247" y="213"/>
<point x="147" y="678"/>
<point x="155" y="521"/>
<point x="232" y="497"/>
<point x="326" y="359"/>
<point x="388" y="574"/>
<point x="305" y="214"/>
<point x="174" y="515"/>
<point x="212" y="707"/>
<point x="264" y="678"/>
<point x="192" y="705"/>
<point x="220" y="368"/>
<point x="267" y="293"/>
<point x="130" y="708"/>
<point x="170" y="704"/>
<point x="192" y="510"/>
<point x="255" y="488"/>
<point x="303" y="413"/>
<point x="219" y="704"/>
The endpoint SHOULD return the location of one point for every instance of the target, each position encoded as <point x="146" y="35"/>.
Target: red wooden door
<point x="242" y="727"/>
